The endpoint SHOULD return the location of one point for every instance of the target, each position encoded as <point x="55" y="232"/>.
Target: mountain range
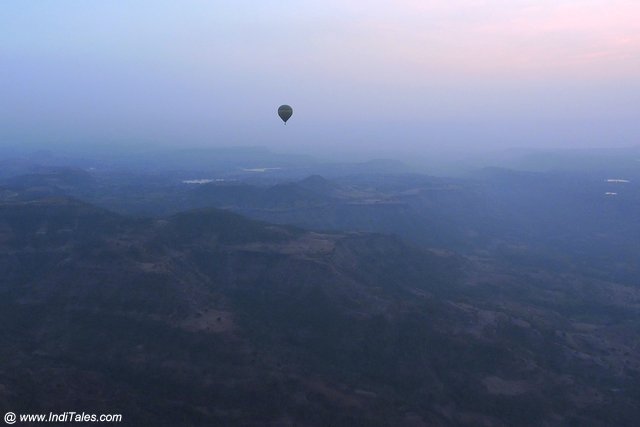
<point x="205" y="317"/>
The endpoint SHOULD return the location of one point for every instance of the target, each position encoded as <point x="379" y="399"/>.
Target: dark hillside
<point x="206" y="317"/>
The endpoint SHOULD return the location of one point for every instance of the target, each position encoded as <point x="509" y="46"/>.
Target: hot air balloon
<point x="285" y="112"/>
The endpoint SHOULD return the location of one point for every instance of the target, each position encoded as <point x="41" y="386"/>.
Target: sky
<point x="376" y="77"/>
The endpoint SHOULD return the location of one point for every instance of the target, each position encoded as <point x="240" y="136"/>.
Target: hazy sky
<point x="409" y="75"/>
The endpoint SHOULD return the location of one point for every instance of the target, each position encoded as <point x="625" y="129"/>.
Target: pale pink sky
<point x="595" y="38"/>
<point x="381" y="72"/>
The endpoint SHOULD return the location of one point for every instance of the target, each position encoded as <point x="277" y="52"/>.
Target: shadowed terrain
<point x="206" y="317"/>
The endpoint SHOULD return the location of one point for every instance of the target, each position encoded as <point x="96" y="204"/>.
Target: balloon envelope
<point x="285" y="112"/>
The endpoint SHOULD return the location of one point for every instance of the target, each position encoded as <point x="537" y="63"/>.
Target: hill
<point x="206" y="317"/>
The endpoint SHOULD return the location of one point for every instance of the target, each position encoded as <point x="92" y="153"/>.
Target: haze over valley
<point x="300" y="292"/>
<point x="338" y="213"/>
